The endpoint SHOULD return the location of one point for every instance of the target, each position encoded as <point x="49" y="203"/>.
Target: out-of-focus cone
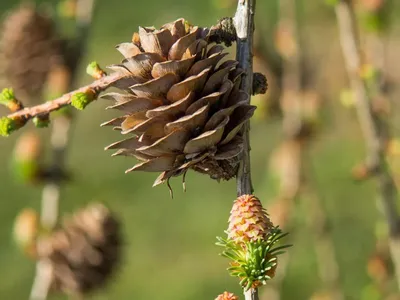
<point x="285" y="43"/>
<point x="378" y="267"/>
<point x="26" y="158"/>
<point x="26" y="227"/>
<point x="84" y="252"/>
<point x="183" y="106"/>
<point x="27" y="50"/>
<point x="285" y="167"/>
<point x="279" y="212"/>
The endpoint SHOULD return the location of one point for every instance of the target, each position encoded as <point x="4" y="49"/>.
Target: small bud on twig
<point x="7" y="98"/>
<point x="223" y="32"/>
<point x="9" y="125"/>
<point x="260" y="84"/>
<point x="94" y="70"/>
<point x="41" y="121"/>
<point x="82" y="99"/>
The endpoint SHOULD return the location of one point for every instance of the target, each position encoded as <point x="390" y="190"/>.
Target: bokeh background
<point x="170" y="250"/>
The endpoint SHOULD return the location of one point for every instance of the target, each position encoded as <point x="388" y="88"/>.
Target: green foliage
<point x="25" y="171"/>
<point x="41" y="122"/>
<point x="93" y="69"/>
<point x="82" y="99"/>
<point x="7" y="126"/>
<point x="6" y="96"/>
<point x="252" y="261"/>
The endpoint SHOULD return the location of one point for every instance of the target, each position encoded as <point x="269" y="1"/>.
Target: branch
<point x="244" y="24"/>
<point x="371" y="126"/>
<point x="50" y="106"/>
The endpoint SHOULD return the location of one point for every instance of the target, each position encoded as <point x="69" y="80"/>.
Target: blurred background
<point x="170" y="250"/>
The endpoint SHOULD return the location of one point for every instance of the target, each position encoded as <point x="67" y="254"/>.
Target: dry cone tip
<point x="251" y="243"/>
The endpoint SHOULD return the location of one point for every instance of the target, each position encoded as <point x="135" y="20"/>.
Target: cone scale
<point x="181" y="104"/>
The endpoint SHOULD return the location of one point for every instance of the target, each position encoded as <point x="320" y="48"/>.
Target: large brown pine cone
<point x="183" y="106"/>
<point x="84" y="252"/>
<point x="27" y="50"/>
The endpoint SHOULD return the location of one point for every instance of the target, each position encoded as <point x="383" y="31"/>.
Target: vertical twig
<point x="244" y="24"/>
<point x="59" y="143"/>
<point x="371" y="126"/>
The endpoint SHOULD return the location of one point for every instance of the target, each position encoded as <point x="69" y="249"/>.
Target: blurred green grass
<point x="170" y="251"/>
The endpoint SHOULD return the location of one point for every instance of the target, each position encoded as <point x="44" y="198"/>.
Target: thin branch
<point x="50" y="106"/>
<point x="244" y="24"/>
<point x="371" y="126"/>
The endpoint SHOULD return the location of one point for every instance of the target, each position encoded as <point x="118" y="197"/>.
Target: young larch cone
<point x="84" y="252"/>
<point x="248" y="221"/>
<point x="183" y="106"/>
<point x="227" y="296"/>
<point x="27" y="50"/>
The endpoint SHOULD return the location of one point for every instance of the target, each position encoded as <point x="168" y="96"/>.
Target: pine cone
<point x="27" y="51"/>
<point x="248" y="220"/>
<point x="85" y="252"/>
<point x="227" y="296"/>
<point x="183" y="107"/>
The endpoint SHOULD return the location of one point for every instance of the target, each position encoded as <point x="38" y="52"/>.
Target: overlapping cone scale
<point x="227" y="296"/>
<point x="248" y="221"/>
<point x="181" y="103"/>
<point x="28" y="48"/>
<point x="85" y="252"/>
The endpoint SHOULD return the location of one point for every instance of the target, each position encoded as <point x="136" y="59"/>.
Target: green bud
<point x="7" y="98"/>
<point x="80" y="100"/>
<point x="41" y="122"/>
<point x="7" y="126"/>
<point x="7" y="95"/>
<point x="94" y="70"/>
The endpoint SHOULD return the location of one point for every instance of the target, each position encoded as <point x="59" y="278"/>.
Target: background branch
<point x="50" y="106"/>
<point x="59" y="143"/>
<point x="371" y="126"/>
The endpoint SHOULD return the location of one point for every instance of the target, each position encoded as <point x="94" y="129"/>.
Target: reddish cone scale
<point x="227" y="296"/>
<point x="248" y="221"/>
